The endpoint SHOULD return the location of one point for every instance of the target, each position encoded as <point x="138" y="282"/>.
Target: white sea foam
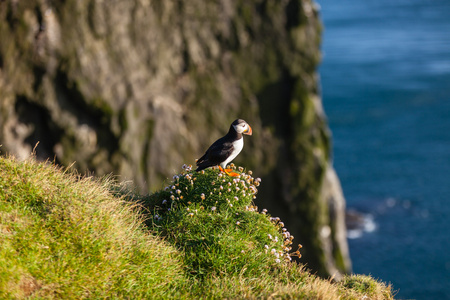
<point x="362" y="223"/>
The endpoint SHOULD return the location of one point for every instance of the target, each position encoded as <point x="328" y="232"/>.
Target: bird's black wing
<point x="216" y="153"/>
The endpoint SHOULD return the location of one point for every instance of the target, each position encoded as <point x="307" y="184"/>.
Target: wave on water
<point x="363" y="220"/>
<point x="359" y="223"/>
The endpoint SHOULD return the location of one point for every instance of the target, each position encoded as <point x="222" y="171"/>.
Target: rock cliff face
<point x="139" y="87"/>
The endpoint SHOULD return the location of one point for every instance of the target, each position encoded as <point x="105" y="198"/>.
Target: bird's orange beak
<point x="248" y="131"/>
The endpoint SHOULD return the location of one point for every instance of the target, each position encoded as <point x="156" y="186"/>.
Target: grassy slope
<point x="63" y="236"/>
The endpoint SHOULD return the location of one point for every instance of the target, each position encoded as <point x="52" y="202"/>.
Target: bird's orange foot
<point x="229" y="172"/>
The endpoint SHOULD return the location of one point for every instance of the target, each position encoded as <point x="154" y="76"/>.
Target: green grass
<point x="64" y="236"/>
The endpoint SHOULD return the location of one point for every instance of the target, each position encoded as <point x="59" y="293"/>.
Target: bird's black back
<point x="220" y="150"/>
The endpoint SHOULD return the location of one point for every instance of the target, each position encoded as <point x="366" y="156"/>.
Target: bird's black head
<point x="240" y="126"/>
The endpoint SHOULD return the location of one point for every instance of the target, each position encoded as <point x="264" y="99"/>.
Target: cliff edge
<point x="138" y="88"/>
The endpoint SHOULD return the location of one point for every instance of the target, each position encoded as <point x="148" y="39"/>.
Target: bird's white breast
<point x="237" y="148"/>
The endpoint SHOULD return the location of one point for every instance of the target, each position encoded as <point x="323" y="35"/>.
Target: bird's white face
<point x="243" y="128"/>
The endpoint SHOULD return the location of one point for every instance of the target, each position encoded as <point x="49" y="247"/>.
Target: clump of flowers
<point x="287" y="242"/>
<point x="211" y="188"/>
<point x="211" y="192"/>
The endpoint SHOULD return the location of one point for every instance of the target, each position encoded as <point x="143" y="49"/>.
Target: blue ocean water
<point x="386" y="90"/>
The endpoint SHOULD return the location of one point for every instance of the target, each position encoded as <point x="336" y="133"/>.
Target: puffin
<point x="225" y="149"/>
